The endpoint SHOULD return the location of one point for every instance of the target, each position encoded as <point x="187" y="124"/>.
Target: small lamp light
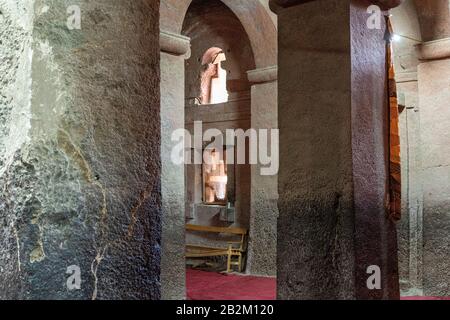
<point x="396" y="38"/>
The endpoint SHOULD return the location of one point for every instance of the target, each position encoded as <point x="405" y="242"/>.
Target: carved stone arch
<point x="254" y="17"/>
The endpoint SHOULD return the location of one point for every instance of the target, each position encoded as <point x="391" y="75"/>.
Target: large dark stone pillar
<point x="333" y="154"/>
<point x="80" y="179"/>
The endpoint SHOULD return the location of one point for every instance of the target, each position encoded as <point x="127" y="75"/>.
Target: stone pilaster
<point x="174" y="49"/>
<point x="410" y="234"/>
<point x="434" y="99"/>
<point x="262" y="251"/>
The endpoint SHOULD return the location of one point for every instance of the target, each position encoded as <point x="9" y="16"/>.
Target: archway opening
<point x="221" y="55"/>
<point x="218" y="191"/>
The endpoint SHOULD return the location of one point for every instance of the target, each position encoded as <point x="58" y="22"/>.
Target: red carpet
<point x="425" y="298"/>
<point x="203" y="285"/>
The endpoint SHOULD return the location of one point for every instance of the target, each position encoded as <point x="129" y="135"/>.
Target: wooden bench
<point x="233" y="249"/>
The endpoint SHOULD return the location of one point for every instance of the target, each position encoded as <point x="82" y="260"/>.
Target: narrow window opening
<point x="213" y="78"/>
<point x="215" y="177"/>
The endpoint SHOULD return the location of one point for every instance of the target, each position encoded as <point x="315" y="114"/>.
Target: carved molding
<point x="175" y="44"/>
<point x="263" y="75"/>
<point x="434" y="50"/>
<point x="402" y="77"/>
<point x="387" y="4"/>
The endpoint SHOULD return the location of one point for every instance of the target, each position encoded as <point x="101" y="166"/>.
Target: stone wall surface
<point x="375" y="236"/>
<point x="81" y="143"/>
<point x="316" y="223"/>
<point x="16" y="19"/>
<point x="172" y="179"/>
<point x="80" y="173"/>
<point x="422" y="77"/>
<point x="422" y="72"/>
<point x="262" y="251"/>
<point x="434" y="97"/>
<point x="410" y="227"/>
<point x="434" y="17"/>
<point x="406" y="22"/>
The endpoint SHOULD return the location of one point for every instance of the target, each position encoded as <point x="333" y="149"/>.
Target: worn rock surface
<point x="172" y="180"/>
<point x="80" y="170"/>
<point x="262" y="247"/>
<point x="15" y="69"/>
<point x="315" y="228"/>
<point x="434" y="81"/>
<point x="332" y="180"/>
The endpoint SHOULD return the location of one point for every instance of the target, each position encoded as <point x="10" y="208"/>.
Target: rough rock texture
<point x="422" y="76"/>
<point x="423" y="90"/>
<point x="262" y="247"/>
<point x="375" y="235"/>
<point x="410" y="233"/>
<point x="84" y="187"/>
<point x="405" y="22"/>
<point x="172" y="180"/>
<point x="434" y="17"/>
<point x="434" y="84"/>
<point x="315" y="249"/>
<point x="15" y="69"/>
<point x="332" y="181"/>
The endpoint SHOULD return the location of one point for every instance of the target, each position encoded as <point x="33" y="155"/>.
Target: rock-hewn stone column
<point x="333" y="150"/>
<point x="80" y="184"/>
<point x="262" y="252"/>
<point x="410" y="227"/>
<point x="434" y="100"/>
<point x="173" y="52"/>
